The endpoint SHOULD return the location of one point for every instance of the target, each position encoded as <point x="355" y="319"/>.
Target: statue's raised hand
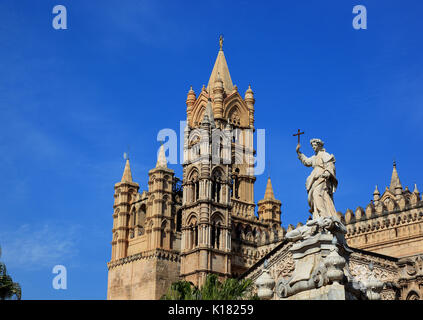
<point x="298" y="148"/>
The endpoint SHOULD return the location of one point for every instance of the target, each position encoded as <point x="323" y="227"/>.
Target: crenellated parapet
<point x="391" y="224"/>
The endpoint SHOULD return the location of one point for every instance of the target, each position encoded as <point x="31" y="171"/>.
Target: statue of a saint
<point x="322" y="182"/>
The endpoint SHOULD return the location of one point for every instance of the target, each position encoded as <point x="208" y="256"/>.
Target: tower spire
<point x="376" y="194"/>
<point x="269" y="190"/>
<point x="395" y="181"/>
<point x="161" y="158"/>
<point x="127" y="175"/>
<point x="221" y="70"/>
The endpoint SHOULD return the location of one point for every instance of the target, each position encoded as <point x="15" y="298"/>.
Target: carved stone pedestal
<point x="321" y="271"/>
<point x="329" y="292"/>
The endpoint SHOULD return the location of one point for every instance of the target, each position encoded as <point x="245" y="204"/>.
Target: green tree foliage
<point x="8" y="288"/>
<point x="213" y="289"/>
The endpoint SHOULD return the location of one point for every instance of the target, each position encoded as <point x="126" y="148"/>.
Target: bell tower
<point x="269" y="209"/>
<point x="125" y="191"/>
<point x="206" y="218"/>
<point x="159" y="222"/>
<point x="218" y="173"/>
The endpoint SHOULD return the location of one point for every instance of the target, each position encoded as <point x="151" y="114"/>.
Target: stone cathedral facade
<point x="206" y="222"/>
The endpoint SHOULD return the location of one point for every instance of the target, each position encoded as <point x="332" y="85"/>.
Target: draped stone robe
<point x="320" y="190"/>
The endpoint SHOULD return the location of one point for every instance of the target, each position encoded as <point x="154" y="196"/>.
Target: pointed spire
<point x="127" y="175"/>
<point x="376" y="194"/>
<point x="395" y="181"/>
<point x="269" y="190"/>
<point x="161" y="158"/>
<point x="191" y="94"/>
<point x="249" y="92"/>
<point x="416" y="191"/>
<point x="221" y="70"/>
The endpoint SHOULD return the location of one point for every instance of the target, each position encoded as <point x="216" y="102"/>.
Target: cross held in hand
<point x="298" y="134"/>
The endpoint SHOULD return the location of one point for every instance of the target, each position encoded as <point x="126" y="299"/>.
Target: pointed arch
<point x="216" y="184"/>
<point x="216" y="226"/>
<point x="198" y="109"/>
<point x="193" y="184"/>
<point x="142" y="212"/>
<point x="179" y="220"/>
<point x="236" y="110"/>
<point x="191" y="219"/>
<point x="239" y="231"/>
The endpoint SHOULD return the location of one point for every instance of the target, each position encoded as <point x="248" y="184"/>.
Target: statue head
<point x="317" y="144"/>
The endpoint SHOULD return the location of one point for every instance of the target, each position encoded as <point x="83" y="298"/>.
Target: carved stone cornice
<point x="159" y="254"/>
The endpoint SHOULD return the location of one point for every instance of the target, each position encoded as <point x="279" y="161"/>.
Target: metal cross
<point x="298" y="134"/>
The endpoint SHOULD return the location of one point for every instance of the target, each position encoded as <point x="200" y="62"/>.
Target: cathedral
<point x="206" y="222"/>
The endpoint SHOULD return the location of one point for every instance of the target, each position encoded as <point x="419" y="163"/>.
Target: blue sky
<point x="73" y="100"/>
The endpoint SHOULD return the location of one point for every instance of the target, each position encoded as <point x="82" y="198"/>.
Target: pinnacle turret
<point x="269" y="190"/>
<point x="127" y="175"/>
<point x="161" y="158"/>
<point x="376" y="194"/>
<point x="395" y="185"/>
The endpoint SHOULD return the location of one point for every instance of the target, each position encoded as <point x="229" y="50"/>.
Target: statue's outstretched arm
<point x="308" y="162"/>
<point x="305" y="161"/>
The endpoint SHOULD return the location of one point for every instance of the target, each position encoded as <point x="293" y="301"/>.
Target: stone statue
<point x="322" y="182"/>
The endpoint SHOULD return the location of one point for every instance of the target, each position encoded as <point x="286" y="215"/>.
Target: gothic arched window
<point x="235" y="184"/>
<point x="215" y="235"/>
<point x="234" y="116"/>
<point x="197" y="190"/>
<point x="164" y="205"/>
<point x="195" y="235"/>
<point x="238" y="232"/>
<point x="162" y="234"/>
<point x="274" y="212"/>
<point x="193" y="232"/>
<point x="194" y="183"/>
<point x="216" y="229"/>
<point x="179" y="220"/>
<point x="216" y="185"/>
<point x="141" y="215"/>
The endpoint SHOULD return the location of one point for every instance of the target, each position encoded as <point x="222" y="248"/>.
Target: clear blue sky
<point x="73" y="100"/>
